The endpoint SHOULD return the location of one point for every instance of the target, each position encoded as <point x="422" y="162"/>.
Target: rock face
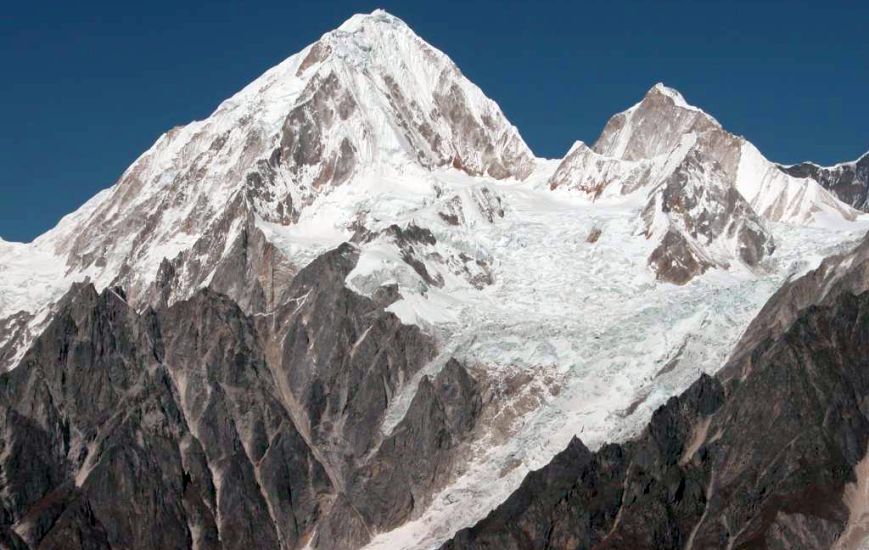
<point x="849" y="181"/>
<point x="837" y="275"/>
<point x="14" y="335"/>
<point x="655" y="127"/>
<point x="174" y="414"/>
<point x="216" y="430"/>
<point x="706" y="223"/>
<point x="340" y="358"/>
<point x="411" y="464"/>
<point x="768" y="455"/>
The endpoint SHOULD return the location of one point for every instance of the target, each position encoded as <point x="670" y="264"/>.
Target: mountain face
<point x="106" y="445"/>
<point x="351" y="309"/>
<point x="849" y="181"/>
<point x="370" y="94"/>
<point x="707" y="191"/>
<point x="247" y="435"/>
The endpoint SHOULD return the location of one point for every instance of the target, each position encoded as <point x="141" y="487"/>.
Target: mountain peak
<point x="369" y="98"/>
<point x="671" y="93"/>
<point x="378" y="16"/>
<point x="652" y="127"/>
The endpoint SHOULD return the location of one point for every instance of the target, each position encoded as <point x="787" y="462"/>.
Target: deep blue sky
<point x="88" y="86"/>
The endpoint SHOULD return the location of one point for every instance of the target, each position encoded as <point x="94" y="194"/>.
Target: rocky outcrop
<point x="339" y="358"/>
<point x="675" y="261"/>
<point x="838" y="274"/>
<point x="177" y="413"/>
<point x="174" y="414"/>
<point x="483" y="144"/>
<point x="705" y="223"/>
<point x="477" y="204"/>
<point x="849" y="181"/>
<point x="655" y="126"/>
<point x="235" y="259"/>
<point x="305" y="148"/>
<point x="218" y="429"/>
<point x="583" y="169"/>
<point x="253" y="271"/>
<point x="412" y="257"/>
<point x="762" y="457"/>
<point x="14" y="335"/>
<point x="410" y="465"/>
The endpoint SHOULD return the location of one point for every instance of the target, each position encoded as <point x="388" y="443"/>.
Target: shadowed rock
<point x="159" y="430"/>
<point x="341" y="358"/>
<point x="411" y="464"/>
<point x="849" y="181"/>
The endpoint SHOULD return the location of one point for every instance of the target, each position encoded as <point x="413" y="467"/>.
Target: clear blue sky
<point x="88" y="86"/>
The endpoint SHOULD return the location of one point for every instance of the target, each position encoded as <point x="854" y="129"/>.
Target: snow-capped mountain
<point x="368" y="97"/>
<point x="368" y="94"/>
<point x="707" y="191"/>
<point x="352" y="308"/>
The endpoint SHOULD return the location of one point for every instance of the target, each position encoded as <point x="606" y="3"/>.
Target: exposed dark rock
<point x="848" y="181"/>
<point x="159" y="430"/>
<point x="413" y="243"/>
<point x="416" y="245"/>
<point x="160" y="293"/>
<point x="14" y="333"/>
<point x="304" y="140"/>
<point x="9" y="540"/>
<point x="249" y="269"/>
<point x="478" y="151"/>
<point x="838" y="274"/>
<point x="451" y="218"/>
<point x="216" y="431"/>
<point x="412" y="463"/>
<point x="656" y="127"/>
<point x="263" y="195"/>
<point x="341" y="358"/>
<point x="489" y="204"/>
<point x="411" y="234"/>
<point x="254" y="272"/>
<point x="675" y="261"/>
<point x="699" y="206"/>
<point x="692" y="202"/>
<point x="318" y="52"/>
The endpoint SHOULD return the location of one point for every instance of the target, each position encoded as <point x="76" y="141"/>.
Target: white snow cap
<point x="355" y="22"/>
